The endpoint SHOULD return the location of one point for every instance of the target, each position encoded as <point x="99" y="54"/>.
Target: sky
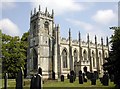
<point x="89" y="17"/>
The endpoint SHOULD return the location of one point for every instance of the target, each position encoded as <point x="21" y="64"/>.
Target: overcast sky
<point x="93" y="17"/>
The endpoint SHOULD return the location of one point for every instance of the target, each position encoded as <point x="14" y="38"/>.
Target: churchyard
<point x="83" y="81"/>
<point x="54" y="83"/>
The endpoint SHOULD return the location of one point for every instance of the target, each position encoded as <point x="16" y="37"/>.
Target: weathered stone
<point x="53" y="75"/>
<point x="96" y="74"/>
<point x="71" y="78"/>
<point x="5" y="81"/>
<point x="84" y="77"/>
<point x="80" y="78"/>
<point x="19" y="79"/>
<point x="88" y="74"/>
<point x="93" y="79"/>
<point x="38" y="82"/>
<point x="40" y="71"/>
<point x="62" y="78"/>
<point x="105" y="79"/>
<point x="32" y="84"/>
<point x="68" y="76"/>
<point x="80" y="72"/>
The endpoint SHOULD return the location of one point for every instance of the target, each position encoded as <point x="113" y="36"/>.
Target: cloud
<point x="8" y="27"/>
<point x="84" y="25"/>
<point x="8" y="4"/>
<point x="59" y="6"/>
<point x="104" y="16"/>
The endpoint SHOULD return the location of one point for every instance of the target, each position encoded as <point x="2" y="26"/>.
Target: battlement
<point x="39" y="13"/>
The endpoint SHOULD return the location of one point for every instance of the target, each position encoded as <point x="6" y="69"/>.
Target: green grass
<point x="50" y="84"/>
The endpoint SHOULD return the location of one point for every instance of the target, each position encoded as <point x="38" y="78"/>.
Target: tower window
<point x="46" y="24"/>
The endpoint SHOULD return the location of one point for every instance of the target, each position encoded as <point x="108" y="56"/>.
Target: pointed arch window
<point x="100" y="58"/>
<point x="46" y="25"/>
<point x="85" y="55"/>
<point x="93" y="58"/>
<point x="64" y="57"/>
<point x="75" y="56"/>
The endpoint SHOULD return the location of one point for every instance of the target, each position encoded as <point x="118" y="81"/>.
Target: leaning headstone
<point x="93" y="79"/>
<point x="105" y="79"/>
<point x="19" y="79"/>
<point x="80" y="77"/>
<point x="40" y="71"/>
<point x="32" y="84"/>
<point x="38" y="82"/>
<point x="53" y="75"/>
<point x="62" y="78"/>
<point x="5" y="81"/>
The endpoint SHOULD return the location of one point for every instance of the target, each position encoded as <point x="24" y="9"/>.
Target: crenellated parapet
<point x="38" y="13"/>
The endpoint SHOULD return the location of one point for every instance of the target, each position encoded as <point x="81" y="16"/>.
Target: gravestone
<point x="105" y="79"/>
<point x="68" y="76"/>
<point x="71" y="76"/>
<point x="53" y="75"/>
<point x="80" y="77"/>
<point x="32" y="84"/>
<point x="40" y="71"/>
<point x="85" y="69"/>
<point x="62" y="78"/>
<point x="88" y="74"/>
<point x="74" y="76"/>
<point x="84" y="77"/>
<point x="96" y="74"/>
<point x="5" y="81"/>
<point x="112" y="78"/>
<point x="93" y="79"/>
<point x="38" y="82"/>
<point x="101" y="80"/>
<point x="19" y="79"/>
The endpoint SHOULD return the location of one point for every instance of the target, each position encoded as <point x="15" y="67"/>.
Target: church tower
<point x="41" y="43"/>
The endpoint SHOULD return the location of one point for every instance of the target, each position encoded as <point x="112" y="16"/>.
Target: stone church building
<point x="52" y="53"/>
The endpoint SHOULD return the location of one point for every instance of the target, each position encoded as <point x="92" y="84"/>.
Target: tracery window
<point x="64" y="57"/>
<point x="100" y="58"/>
<point x="75" y="56"/>
<point x="46" y="25"/>
<point x="85" y="55"/>
<point x="93" y="58"/>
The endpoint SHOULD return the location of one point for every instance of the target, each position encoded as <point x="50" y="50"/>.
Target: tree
<point x="0" y="54"/>
<point x="13" y="56"/>
<point x="113" y="62"/>
<point x="24" y="45"/>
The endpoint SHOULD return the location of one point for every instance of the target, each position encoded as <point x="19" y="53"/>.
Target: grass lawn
<point x="54" y="84"/>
